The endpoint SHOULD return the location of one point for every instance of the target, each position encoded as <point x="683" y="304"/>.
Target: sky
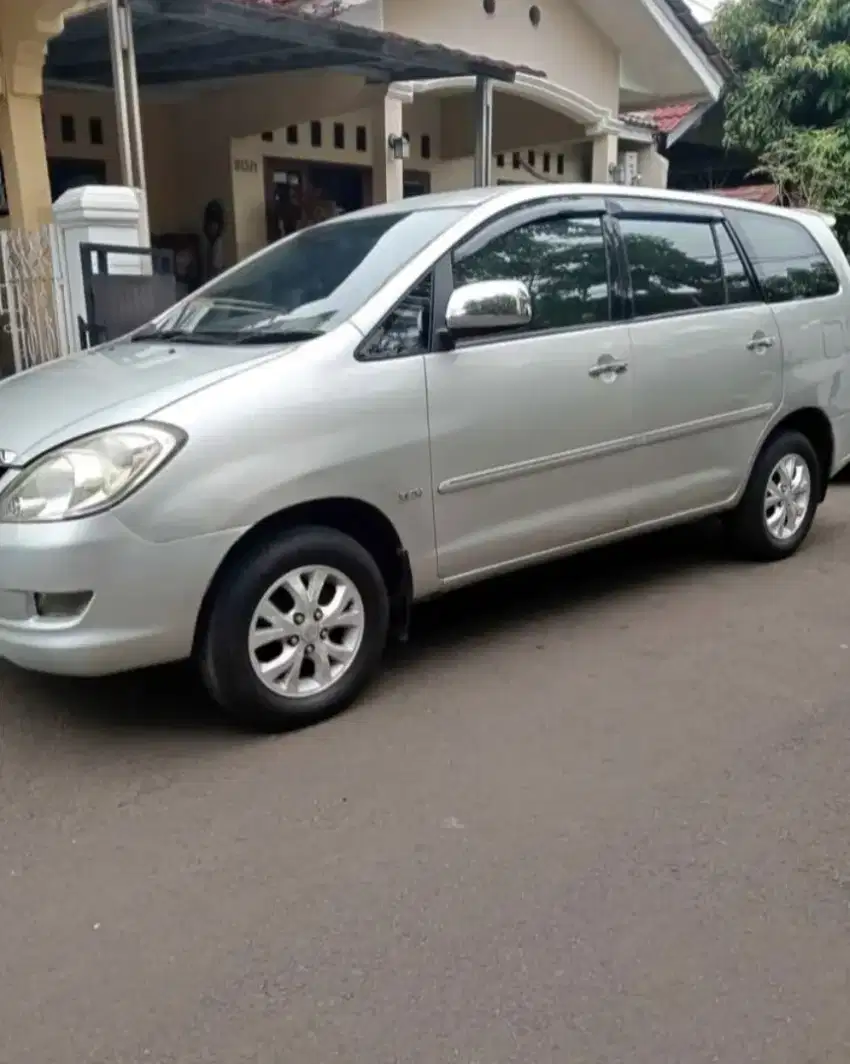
<point x="702" y="8"/>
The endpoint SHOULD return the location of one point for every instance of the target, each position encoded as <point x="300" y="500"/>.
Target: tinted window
<point x="788" y="261"/>
<point x="563" y="261"/>
<point x="739" y="288"/>
<point x="674" y="265"/>
<point x="311" y="280"/>
<point x="406" y="330"/>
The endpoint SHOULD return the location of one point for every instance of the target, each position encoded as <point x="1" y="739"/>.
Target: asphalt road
<point x="596" y="814"/>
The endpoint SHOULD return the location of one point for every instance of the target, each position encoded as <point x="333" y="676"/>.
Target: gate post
<point x="95" y="214"/>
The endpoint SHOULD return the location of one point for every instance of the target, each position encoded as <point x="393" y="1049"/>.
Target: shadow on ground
<point x="171" y="698"/>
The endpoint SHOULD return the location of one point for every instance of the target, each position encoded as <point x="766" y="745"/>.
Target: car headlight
<point x="88" y="475"/>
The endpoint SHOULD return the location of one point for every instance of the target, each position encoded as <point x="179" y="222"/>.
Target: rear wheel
<point x="296" y="630"/>
<point x="778" y="507"/>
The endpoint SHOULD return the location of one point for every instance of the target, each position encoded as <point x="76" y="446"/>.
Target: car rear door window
<point x="563" y="261"/>
<point x="674" y="265"/>
<point x="788" y="261"/>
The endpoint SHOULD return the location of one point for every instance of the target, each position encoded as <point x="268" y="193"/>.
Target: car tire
<point x="251" y="673"/>
<point x="767" y="525"/>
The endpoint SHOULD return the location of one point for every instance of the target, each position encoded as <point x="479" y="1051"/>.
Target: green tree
<point x="789" y="103"/>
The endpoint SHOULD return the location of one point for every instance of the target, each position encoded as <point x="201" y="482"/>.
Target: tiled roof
<point x="664" y="119"/>
<point x="768" y="194"/>
<point x="641" y="119"/>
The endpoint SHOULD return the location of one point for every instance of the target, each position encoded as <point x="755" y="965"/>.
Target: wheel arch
<point x="360" y="520"/>
<point x="814" y="424"/>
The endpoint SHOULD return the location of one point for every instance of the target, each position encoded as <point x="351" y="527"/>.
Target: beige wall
<point x="249" y="181"/>
<point x="82" y="106"/>
<point x="569" y="48"/>
<point x="191" y="157"/>
<point x="515" y="122"/>
<point x="426" y="116"/>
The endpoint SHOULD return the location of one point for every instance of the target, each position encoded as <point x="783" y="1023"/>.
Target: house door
<point x="299" y="193"/>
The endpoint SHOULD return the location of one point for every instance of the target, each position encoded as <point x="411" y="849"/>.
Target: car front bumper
<point x="139" y="600"/>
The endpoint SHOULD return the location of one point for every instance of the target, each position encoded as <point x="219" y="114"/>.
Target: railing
<point x="33" y="294"/>
<point x="124" y="294"/>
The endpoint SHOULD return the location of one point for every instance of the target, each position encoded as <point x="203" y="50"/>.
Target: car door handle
<point x="761" y="343"/>
<point x="612" y="366"/>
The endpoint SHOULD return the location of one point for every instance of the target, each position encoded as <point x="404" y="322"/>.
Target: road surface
<point x="596" y="814"/>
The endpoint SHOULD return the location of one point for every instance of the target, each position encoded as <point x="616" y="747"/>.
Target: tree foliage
<point x="790" y="101"/>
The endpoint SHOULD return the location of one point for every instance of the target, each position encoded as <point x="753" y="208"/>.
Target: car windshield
<point x="307" y="283"/>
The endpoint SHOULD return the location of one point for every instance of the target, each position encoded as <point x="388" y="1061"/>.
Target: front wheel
<point x="779" y="504"/>
<point x="296" y="630"/>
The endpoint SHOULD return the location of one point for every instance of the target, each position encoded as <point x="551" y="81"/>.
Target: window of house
<point x="674" y="265"/>
<point x="739" y="288"/>
<point x="68" y="129"/>
<point x="407" y="329"/>
<point x="96" y="130"/>
<point x="564" y="262"/>
<point x="786" y="257"/>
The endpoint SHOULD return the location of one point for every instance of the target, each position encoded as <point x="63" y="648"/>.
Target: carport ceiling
<point x="181" y="41"/>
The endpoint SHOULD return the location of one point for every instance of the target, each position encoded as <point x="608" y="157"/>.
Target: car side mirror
<point x="488" y="306"/>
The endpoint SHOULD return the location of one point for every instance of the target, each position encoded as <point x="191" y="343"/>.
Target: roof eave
<point x="701" y="37"/>
<point x="693" y="42"/>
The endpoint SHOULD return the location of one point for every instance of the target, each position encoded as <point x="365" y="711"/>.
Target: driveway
<point x="597" y="813"/>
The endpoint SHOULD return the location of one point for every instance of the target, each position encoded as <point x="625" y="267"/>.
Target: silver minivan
<point x="391" y="404"/>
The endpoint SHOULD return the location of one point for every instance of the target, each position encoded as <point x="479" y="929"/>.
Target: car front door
<point x="531" y="432"/>
<point x="707" y="359"/>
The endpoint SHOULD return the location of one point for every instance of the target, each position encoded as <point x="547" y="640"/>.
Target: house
<point x="690" y="136"/>
<point x="243" y="105"/>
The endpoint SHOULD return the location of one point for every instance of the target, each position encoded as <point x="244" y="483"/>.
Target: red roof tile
<point x="664" y="119"/>
<point x="768" y="194"/>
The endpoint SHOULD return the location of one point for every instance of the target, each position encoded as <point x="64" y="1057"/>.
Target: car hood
<point x="43" y="407"/>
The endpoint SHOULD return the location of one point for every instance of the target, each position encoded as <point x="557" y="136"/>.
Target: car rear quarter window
<point x="674" y="265"/>
<point x="787" y="259"/>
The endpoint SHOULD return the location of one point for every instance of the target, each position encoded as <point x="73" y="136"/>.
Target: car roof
<point x="470" y="198"/>
<point x="460" y="198"/>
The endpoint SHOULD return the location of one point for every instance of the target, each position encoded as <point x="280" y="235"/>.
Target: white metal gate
<point x="33" y="296"/>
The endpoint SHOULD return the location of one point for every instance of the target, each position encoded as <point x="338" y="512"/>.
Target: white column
<point x="483" y="166"/>
<point x="94" y="214"/>
<point x="387" y="172"/>
<point x="605" y="155"/>
<point x="128" y="113"/>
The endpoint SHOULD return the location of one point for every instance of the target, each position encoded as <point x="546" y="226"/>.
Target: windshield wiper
<point x="260" y="337"/>
<point x="276" y="336"/>
<point x="181" y="336"/>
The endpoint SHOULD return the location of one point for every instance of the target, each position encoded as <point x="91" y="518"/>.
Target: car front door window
<point x="563" y="261"/>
